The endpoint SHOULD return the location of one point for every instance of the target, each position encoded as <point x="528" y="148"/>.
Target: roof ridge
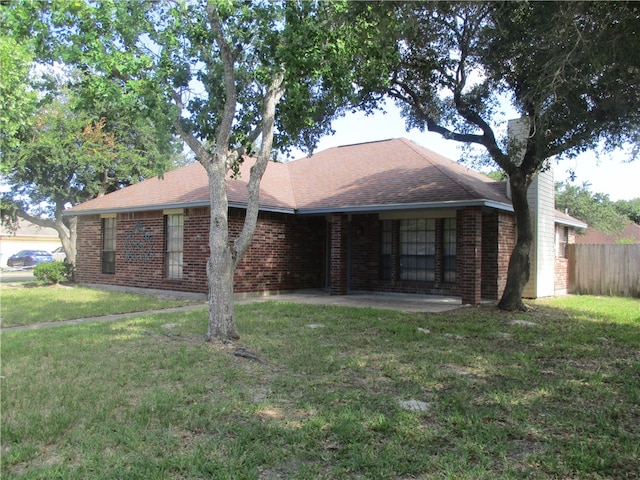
<point x="417" y="148"/>
<point x="364" y="143"/>
<point x="290" y="182"/>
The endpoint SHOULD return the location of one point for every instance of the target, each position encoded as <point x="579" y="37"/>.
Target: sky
<point x="610" y="174"/>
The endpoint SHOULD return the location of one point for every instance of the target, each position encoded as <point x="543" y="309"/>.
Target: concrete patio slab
<point x="387" y="301"/>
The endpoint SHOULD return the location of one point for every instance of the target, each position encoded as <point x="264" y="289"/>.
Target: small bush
<point x="53" y="272"/>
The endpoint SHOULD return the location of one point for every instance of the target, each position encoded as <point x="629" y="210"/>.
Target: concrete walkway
<point x="387" y="301"/>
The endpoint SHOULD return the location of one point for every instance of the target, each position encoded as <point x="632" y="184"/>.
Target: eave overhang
<point x="570" y="222"/>
<point x="454" y="204"/>
<point x="168" y="206"/>
<point x="309" y="211"/>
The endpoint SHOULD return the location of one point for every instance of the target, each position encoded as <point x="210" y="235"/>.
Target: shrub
<point x="53" y="272"/>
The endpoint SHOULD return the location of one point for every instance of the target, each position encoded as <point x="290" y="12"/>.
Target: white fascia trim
<point x="570" y="223"/>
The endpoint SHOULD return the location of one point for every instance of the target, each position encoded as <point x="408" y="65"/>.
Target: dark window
<point x="109" y="245"/>
<point x="418" y="249"/>
<point x="174" y="230"/>
<point x="386" y="243"/>
<point x="449" y="250"/>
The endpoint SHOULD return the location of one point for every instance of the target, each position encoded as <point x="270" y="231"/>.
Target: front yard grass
<point x="553" y="393"/>
<point x="29" y="303"/>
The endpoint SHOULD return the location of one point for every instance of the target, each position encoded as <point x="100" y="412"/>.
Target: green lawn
<point x="148" y="398"/>
<point x="28" y="303"/>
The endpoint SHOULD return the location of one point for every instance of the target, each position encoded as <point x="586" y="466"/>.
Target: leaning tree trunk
<point x="519" y="264"/>
<point x="68" y="233"/>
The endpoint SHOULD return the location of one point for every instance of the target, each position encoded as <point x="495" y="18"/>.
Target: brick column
<point x="339" y="225"/>
<point x="470" y="255"/>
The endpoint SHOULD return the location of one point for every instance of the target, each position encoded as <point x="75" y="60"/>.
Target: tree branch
<point x="273" y="96"/>
<point x="228" y="61"/>
<point x="487" y="139"/>
<point x="196" y="146"/>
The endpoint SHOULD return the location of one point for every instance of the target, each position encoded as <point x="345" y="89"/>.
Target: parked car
<point x="29" y="258"/>
<point x="59" y="255"/>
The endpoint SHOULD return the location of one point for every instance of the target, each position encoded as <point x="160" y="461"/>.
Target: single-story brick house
<point x="386" y="216"/>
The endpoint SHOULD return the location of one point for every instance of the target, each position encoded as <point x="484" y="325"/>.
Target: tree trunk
<point x="519" y="264"/>
<point x="67" y="232"/>
<point x="220" y="273"/>
<point x="225" y="255"/>
<point x="220" y="266"/>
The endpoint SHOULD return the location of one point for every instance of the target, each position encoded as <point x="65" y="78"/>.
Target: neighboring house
<point x="630" y="234"/>
<point x="27" y="236"/>
<point x="387" y="216"/>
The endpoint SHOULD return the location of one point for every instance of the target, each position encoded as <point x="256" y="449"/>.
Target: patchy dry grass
<point x="557" y="397"/>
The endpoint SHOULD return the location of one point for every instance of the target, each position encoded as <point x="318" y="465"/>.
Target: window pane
<point x="386" y="247"/>
<point x="108" y="256"/>
<point x="449" y="250"/>
<point x="174" y="240"/>
<point x="417" y="249"/>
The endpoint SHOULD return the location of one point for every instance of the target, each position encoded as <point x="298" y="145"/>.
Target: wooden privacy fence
<point x="605" y="270"/>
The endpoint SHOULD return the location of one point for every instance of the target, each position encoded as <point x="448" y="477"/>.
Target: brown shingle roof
<point x="189" y="186"/>
<point x="386" y="174"/>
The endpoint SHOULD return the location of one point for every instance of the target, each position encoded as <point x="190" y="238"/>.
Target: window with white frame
<point x="174" y="245"/>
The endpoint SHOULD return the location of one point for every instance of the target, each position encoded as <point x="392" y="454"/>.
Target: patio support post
<point x="470" y="256"/>
<point x="339" y="236"/>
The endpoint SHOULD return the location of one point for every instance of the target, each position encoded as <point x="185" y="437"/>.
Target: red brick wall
<point x="287" y="252"/>
<point x="469" y="254"/>
<point x="498" y="240"/>
<point x="490" y="254"/>
<point x="561" y="276"/>
<point x="339" y="254"/>
<point x="365" y="255"/>
<point x="506" y="243"/>
<point x="561" y="273"/>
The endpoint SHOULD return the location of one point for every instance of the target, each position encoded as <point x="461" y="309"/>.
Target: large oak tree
<point x="571" y="69"/>
<point x="65" y="137"/>
<point x="67" y="156"/>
